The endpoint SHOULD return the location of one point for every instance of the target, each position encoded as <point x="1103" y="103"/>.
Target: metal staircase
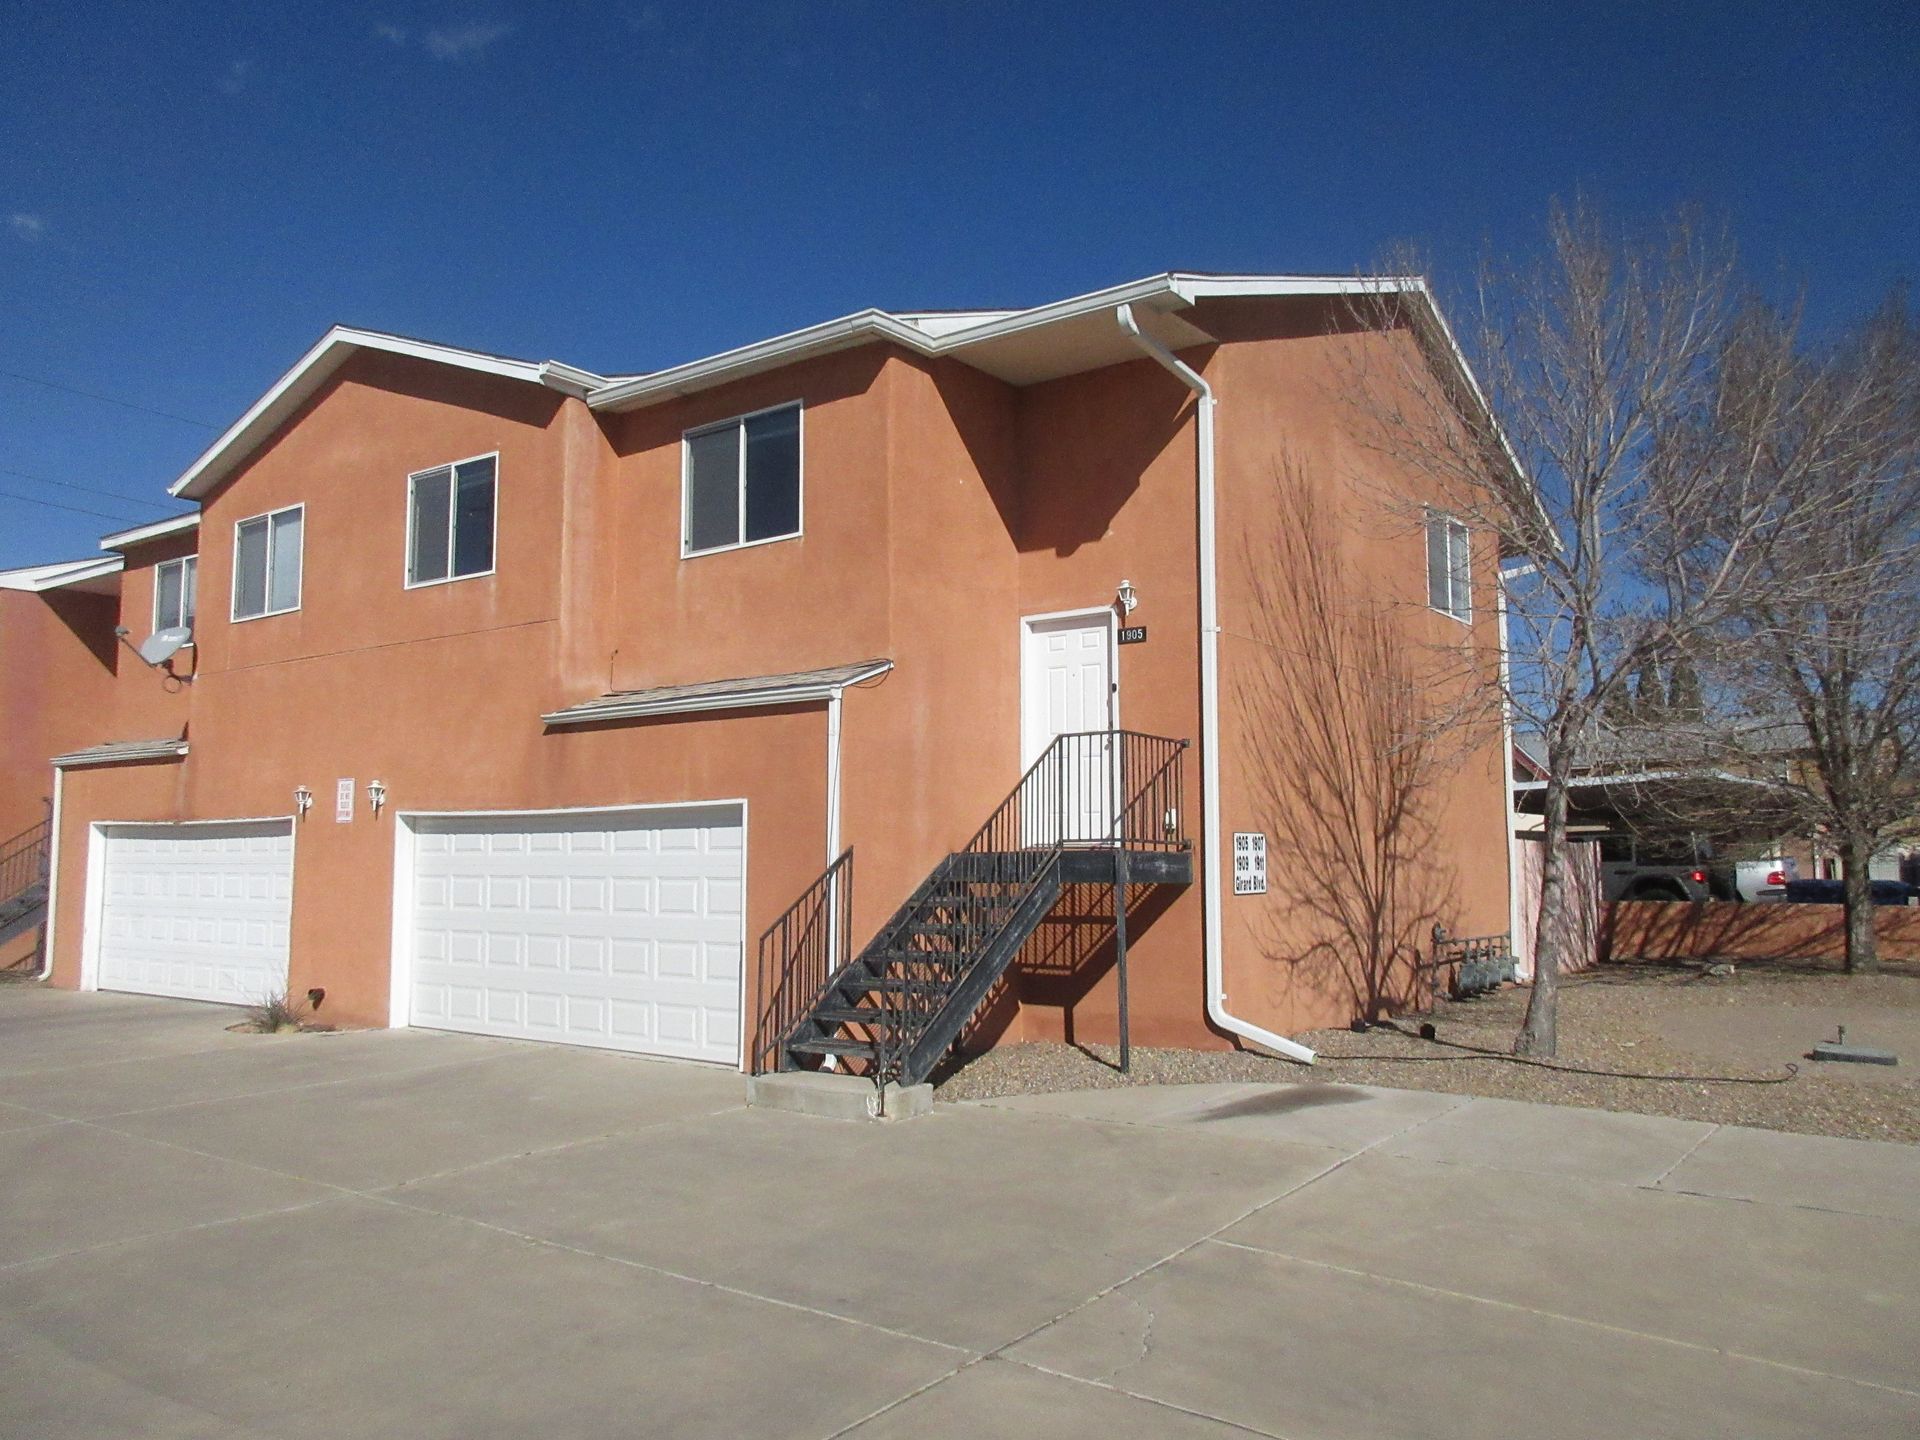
<point x="1098" y="807"/>
<point x="23" y="880"/>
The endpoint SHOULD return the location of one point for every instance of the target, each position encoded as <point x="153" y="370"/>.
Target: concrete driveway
<point x="420" y="1235"/>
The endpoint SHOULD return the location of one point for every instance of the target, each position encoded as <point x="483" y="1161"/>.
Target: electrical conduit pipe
<point x="1210" y="845"/>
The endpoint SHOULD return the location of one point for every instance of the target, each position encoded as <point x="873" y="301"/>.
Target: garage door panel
<point x="196" y="911"/>
<point x="617" y="929"/>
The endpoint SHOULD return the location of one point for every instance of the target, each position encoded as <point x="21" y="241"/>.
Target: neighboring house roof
<point x="334" y="349"/>
<point x="158" y="530"/>
<point x="123" y="752"/>
<point x="797" y="687"/>
<point x="95" y="576"/>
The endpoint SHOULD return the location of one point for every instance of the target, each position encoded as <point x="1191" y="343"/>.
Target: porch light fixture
<point x="1126" y="597"/>
<point x="302" y="799"/>
<point x="376" y="795"/>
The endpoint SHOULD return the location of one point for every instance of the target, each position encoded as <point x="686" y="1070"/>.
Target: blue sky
<point x="191" y="193"/>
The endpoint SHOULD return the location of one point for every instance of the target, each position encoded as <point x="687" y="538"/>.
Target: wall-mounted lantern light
<point x="302" y="799"/>
<point x="1126" y="597"/>
<point x="376" y="795"/>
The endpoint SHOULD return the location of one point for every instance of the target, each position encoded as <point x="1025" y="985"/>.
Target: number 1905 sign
<point x="1249" y="863"/>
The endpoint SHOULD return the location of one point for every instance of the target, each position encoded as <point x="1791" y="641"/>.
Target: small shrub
<point x="276" y="1014"/>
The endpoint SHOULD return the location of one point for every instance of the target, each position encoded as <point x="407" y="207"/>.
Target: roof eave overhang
<point x="143" y="534"/>
<point x="40" y="578"/>
<point x="333" y="350"/>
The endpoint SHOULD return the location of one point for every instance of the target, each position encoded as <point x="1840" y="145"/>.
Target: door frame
<point x="94" y="902"/>
<point x="406" y="832"/>
<point x="1099" y="614"/>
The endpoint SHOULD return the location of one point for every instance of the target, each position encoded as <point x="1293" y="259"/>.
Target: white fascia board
<point x="923" y="333"/>
<point x="158" y="530"/>
<point x="824" y="339"/>
<point x="333" y="350"/>
<point x="54" y="577"/>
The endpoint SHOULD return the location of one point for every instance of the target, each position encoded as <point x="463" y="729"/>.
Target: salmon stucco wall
<point x="1360" y="728"/>
<point x="57" y="658"/>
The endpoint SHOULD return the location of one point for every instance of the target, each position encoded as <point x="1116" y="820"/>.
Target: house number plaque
<point x="1133" y="634"/>
<point x="1249" y="863"/>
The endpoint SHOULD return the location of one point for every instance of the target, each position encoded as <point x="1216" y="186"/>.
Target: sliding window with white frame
<point x="174" y="585"/>
<point x="740" y="482"/>
<point x="451" y="518"/>
<point x="266" y="563"/>
<point x="1449" y="566"/>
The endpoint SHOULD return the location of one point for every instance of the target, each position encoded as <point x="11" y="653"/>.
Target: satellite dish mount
<point x="156" y="652"/>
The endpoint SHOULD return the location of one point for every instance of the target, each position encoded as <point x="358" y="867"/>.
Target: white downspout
<point x="1515" y="915"/>
<point x="833" y="775"/>
<point x="1210" y="846"/>
<point x="53" y="879"/>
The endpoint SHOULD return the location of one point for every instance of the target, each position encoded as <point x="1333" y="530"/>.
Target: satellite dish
<point x="158" y="647"/>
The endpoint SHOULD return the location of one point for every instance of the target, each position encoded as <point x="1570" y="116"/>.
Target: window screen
<point x="743" y="481"/>
<point x="450" y="524"/>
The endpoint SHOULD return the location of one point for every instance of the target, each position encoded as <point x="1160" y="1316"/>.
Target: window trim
<point x="799" y="408"/>
<point x="234" y="615"/>
<point x="453" y="509"/>
<point x="183" y="561"/>
<point x="1464" y="614"/>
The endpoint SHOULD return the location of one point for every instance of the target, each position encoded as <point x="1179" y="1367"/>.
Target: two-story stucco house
<point x="538" y="703"/>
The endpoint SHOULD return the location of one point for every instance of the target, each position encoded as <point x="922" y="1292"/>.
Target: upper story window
<point x="174" y="585"/>
<point x="266" y="563"/>
<point x="741" y="482"/>
<point x="1449" y="566"/>
<point x="450" y="521"/>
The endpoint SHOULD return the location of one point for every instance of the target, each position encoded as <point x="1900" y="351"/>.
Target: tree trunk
<point x="1540" y="1035"/>
<point x="1863" y="948"/>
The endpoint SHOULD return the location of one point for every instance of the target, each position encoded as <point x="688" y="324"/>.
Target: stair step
<point x="855" y="1049"/>
<point x="851" y="1015"/>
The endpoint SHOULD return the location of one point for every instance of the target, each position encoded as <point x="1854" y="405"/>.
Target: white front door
<point x="620" y="929"/>
<point x="1067" y="688"/>
<point x="198" y="912"/>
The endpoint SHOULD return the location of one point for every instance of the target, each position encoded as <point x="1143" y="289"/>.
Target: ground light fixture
<point x="376" y="795"/>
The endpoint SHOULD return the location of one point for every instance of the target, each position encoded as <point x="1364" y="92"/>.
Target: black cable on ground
<point x="1479" y="1052"/>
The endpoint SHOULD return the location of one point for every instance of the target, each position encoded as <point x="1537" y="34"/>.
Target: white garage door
<point x="619" y="929"/>
<point x="196" y="911"/>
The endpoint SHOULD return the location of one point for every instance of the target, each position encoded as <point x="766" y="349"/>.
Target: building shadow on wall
<point x="1347" y="743"/>
<point x="1071" y="952"/>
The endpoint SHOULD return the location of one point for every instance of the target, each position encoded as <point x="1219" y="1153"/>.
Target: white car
<point x="1765" y="879"/>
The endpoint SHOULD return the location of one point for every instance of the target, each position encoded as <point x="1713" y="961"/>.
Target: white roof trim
<point x="122" y="752"/>
<point x="937" y="333"/>
<point x="779" y="690"/>
<point x="158" y="530"/>
<point x="334" y="348"/>
<point x="54" y="577"/>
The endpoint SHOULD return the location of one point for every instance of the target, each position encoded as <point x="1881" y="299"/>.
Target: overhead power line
<point x="74" y="509"/>
<point x="90" y="489"/>
<point x="106" y="399"/>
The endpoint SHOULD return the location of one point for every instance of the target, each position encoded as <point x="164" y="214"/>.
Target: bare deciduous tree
<point x="1824" y="644"/>
<point x="1589" y="361"/>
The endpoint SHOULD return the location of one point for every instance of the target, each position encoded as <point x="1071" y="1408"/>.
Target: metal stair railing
<point x="24" y="860"/>
<point x="1099" y="789"/>
<point x="799" y="956"/>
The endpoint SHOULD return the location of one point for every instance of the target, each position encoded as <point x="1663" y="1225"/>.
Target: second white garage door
<point x="196" y="911"/>
<point x="618" y="929"/>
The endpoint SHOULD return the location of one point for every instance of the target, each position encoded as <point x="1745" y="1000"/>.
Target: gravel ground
<point x="1615" y="1018"/>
